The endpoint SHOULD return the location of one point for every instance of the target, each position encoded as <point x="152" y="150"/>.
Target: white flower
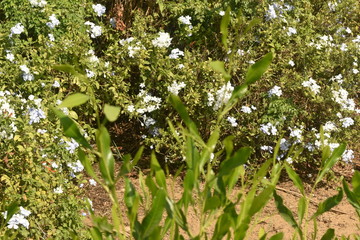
<point x="276" y="90"/>
<point x="355" y="71"/>
<point x="268" y="129"/>
<point x="92" y="182"/>
<point x="36" y="115"/>
<point x="180" y="66"/>
<point x="176" y="87"/>
<point x="311" y="83"/>
<point x="284" y="144"/>
<point x="51" y="37"/>
<point x="175" y="53"/>
<point x="127" y="40"/>
<point x="53" y="22"/>
<point x="296" y="133"/>
<point x="76" y="166"/>
<point x="329" y="127"/>
<point x="246" y="109"/>
<point x="267" y="148"/>
<point x="89" y="73"/>
<point x="291" y="63"/>
<point x="232" y="121"/>
<point x="41" y="131"/>
<point x="113" y="22"/>
<point x="222" y="13"/>
<point x="348" y="156"/>
<point x="131" y="108"/>
<point x="289" y="160"/>
<point x="10" y="56"/>
<point x="56" y="84"/>
<point x="71" y="146"/>
<point x="347" y="122"/>
<point x="58" y="190"/>
<point x="17" y="29"/>
<point x="163" y="41"/>
<point x="271" y="13"/>
<point x="99" y="9"/>
<point x="223" y="95"/>
<point x="24" y="212"/>
<point x="95" y="30"/>
<point x="291" y="31"/>
<point x="54" y="165"/>
<point x="185" y="20"/>
<point x="38" y="3"/>
<point x="343" y="47"/>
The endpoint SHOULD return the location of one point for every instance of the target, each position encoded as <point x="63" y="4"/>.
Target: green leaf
<point x="65" y="68"/>
<point x="301" y="209"/>
<point x="328" y="204"/>
<point x="175" y="212"/>
<point x="86" y="163"/>
<point x="224" y="27"/>
<point x="295" y="178"/>
<point x="74" y="100"/>
<point x="258" y="69"/>
<point x="132" y="201"/>
<point x="70" y="128"/>
<point x="252" y="23"/>
<point x="260" y="201"/>
<point x="277" y="236"/>
<point x="212" y="203"/>
<point x="111" y="112"/>
<point x="356" y="183"/>
<point x="95" y="233"/>
<point x="222" y="226"/>
<point x="210" y="146"/>
<point x="137" y="156"/>
<point x="330" y="162"/>
<point x="153" y="218"/>
<point x="219" y="66"/>
<point x="158" y="171"/>
<point x="239" y="158"/>
<point x="11" y="210"/>
<point x="285" y="213"/>
<point x="351" y="197"/>
<point x="107" y="160"/>
<point x="329" y="235"/>
<point x="229" y="145"/>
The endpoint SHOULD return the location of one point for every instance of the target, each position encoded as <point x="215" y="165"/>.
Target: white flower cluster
<point x="296" y="133"/>
<point x="148" y="102"/>
<point x="267" y="148"/>
<point x="38" y="3"/>
<point x="92" y="57"/>
<point x="291" y="31"/>
<point x="311" y="83"/>
<point x="5" y="109"/>
<point x="27" y="75"/>
<point x="17" y="29"/>
<point x="268" y="129"/>
<point x="325" y="41"/>
<point x="338" y="78"/>
<point x="232" y="121"/>
<point x="76" y="166"/>
<point x="222" y="96"/>
<point x="163" y="41"/>
<point x="276" y="10"/>
<point x="36" y="114"/>
<point x="348" y="156"/>
<point x="246" y="109"/>
<point x="18" y="219"/>
<point x="132" y="49"/>
<point x="341" y="97"/>
<point x="185" y="20"/>
<point x="347" y="122"/>
<point x="58" y="190"/>
<point x="99" y="9"/>
<point x="53" y="22"/>
<point x="329" y="127"/>
<point x="332" y="6"/>
<point x="276" y="90"/>
<point x="71" y="146"/>
<point x="175" y="87"/>
<point x="95" y="31"/>
<point x="175" y="53"/>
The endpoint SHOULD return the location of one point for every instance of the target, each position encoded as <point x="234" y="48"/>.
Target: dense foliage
<point x="134" y="54"/>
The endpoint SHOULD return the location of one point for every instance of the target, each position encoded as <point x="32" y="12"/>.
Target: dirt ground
<point x="342" y="218"/>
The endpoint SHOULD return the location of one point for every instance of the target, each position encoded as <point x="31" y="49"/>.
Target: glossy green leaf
<point x="330" y="162"/>
<point x="328" y="204"/>
<point x="219" y="67"/>
<point x="70" y="128"/>
<point x="153" y="218"/>
<point x="239" y="158"/>
<point x="137" y="156"/>
<point x="295" y="178"/>
<point x="329" y="235"/>
<point x="261" y="200"/>
<point x="111" y="112"/>
<point x="258" y="69"/>
<point x="285" y="213"/>
<point x="278" y="236"/>
<point x="222" y="226"/>
<point x="74" y="100"/>
<point x="224" y="27"/>
<point x="356" y="183"/>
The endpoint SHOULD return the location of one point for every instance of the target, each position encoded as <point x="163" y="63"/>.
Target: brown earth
<point x="342" y="217"/>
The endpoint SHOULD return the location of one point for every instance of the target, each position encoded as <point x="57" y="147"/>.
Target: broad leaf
<point x="329" y="235"/>
<point x="74" y="100"/>
<point x="224" y="27"/>
<point x="285" y="213"/>
<point x="258" y="69"/>
<point x="277" y="236"/>
<point x="328" y="204"/>
<point x="219" y="66"/>
<point x="295" y="178"/>
<point x="111" y="112"/>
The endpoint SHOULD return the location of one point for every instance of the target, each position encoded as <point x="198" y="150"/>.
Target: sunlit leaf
<point x="111" y="112"/>
<point x="74" y="100"/>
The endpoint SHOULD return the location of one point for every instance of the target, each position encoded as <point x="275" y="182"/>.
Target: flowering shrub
<point x="136" y="60"/>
